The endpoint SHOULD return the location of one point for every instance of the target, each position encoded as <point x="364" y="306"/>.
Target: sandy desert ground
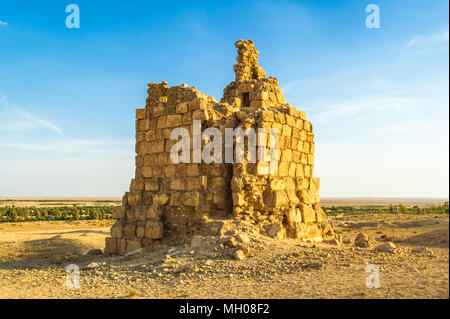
<point x="34" y="257"/>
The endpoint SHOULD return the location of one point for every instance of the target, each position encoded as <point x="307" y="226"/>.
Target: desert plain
<point x="409" y="250"/>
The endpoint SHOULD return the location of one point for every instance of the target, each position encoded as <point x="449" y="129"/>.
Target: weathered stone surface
<point x="276" y="231"/>
<point x="362" y="240"/>
<point x="387" y="247"/>
<point x="154" y="229"/>
<point x="173" y="191"/>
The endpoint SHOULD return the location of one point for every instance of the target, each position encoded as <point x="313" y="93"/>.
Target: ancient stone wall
<point x="169" y="197"/>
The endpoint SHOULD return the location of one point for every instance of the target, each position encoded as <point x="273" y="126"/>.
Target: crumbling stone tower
<point x="168" y="199"/>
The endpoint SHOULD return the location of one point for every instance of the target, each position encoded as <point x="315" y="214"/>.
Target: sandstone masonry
<point x="168" y="199"/>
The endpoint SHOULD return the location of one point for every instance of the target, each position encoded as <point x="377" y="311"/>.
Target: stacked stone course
<point x="167" y="198"/>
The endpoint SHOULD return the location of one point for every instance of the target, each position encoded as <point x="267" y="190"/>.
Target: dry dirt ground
<point x="34" y="257"/>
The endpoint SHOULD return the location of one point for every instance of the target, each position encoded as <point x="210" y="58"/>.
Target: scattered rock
<point x="95" y="252"/>
<point x="419" y="249"/>
<point x="244" y="248"/>
<point x="422" y="250"/>
<point x="276" y="231"/>
<point x="239" y="255"/>
<point x="228" y="241"/>
<point x="243" y="238"/>
<point x="315" y="266"/>
<point x="93" y="265"/>
<point x="209" y="262"/>
<point x="362" y="240"/>
<point x="73" y="257"/>
<point x="387" y="247"/>
<point x="57" y="258"/>
<point x="333" y="241"/>
<point x="197" y="241"/>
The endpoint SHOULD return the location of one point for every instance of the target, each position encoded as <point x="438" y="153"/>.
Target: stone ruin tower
<point x="170" y="200"/>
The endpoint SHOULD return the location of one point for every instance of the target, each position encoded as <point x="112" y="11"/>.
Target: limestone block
<point x="290" y="120"/>
<point x="158" y="111"/>
<point x="147" y="172"/>
<point x="308" y="213"/>
<point x="186" y="118"/>
<point x="110" y="245"/>
<point x="280" y="198"/>
<point x="293" y="215"/>
<point x="161" y="122"/>
<point x="191" y="199"/>
<point x="194" y="183"/>
<point x="129" y="230"/>
<point x="238" y="199"/>
<point x="118" y="212"/>
<point x="151" y="185"/>
<point x="121" y="246"/>
<point x="158" y="146"/>
<point x="175" y="199"/>
<point x="173" y="120"/>
<point x="276" y="231"/>
<point x="192" y="170"/>
<point x="308" y="171"/>
<point x="169" y="171"/>
<point x="150" y="135"/>
<point x="280" y="118"/>
<point x="267" y="116"/>
<point x="117" y="230"/>
<point x="320" y="214"/>
<point x="201" y="115"/>
<point x="160" y="199"/>
<point x="154" y="229"/>
<point x="182" y="108"/>
<point x="293" y="199"/>
<point x="178" y="184"/>
<point x="283" y="168"/>
<point x="134" y="199"/>
<point x="140" y="214"/>
<point x="140" y="231"/>
<point x="153" y="212"/>
<point x="140" y="114"/>
<point x="308" y="196"/>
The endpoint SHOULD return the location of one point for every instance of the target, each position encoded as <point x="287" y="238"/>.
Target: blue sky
<point x="377" y="98"/>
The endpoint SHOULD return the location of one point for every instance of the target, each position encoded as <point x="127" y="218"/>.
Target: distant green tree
<point x="402" y="208"/>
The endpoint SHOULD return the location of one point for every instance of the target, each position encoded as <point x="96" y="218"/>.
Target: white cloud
<point x="16" y="118"/>
<point x="367" y="105"/>
<point x="430" y="39"/>
<point x="3" y="24"/>
<point x="413" y="125"/>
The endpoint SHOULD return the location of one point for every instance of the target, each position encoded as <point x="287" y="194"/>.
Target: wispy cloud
<point x="310" y="83"/>
<point x="430" y="39"/>
<point x="3" y="24"/>
<point x="413" y="125"/>
<point x="367" y="105"/>
<point x="15" y="118"/>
